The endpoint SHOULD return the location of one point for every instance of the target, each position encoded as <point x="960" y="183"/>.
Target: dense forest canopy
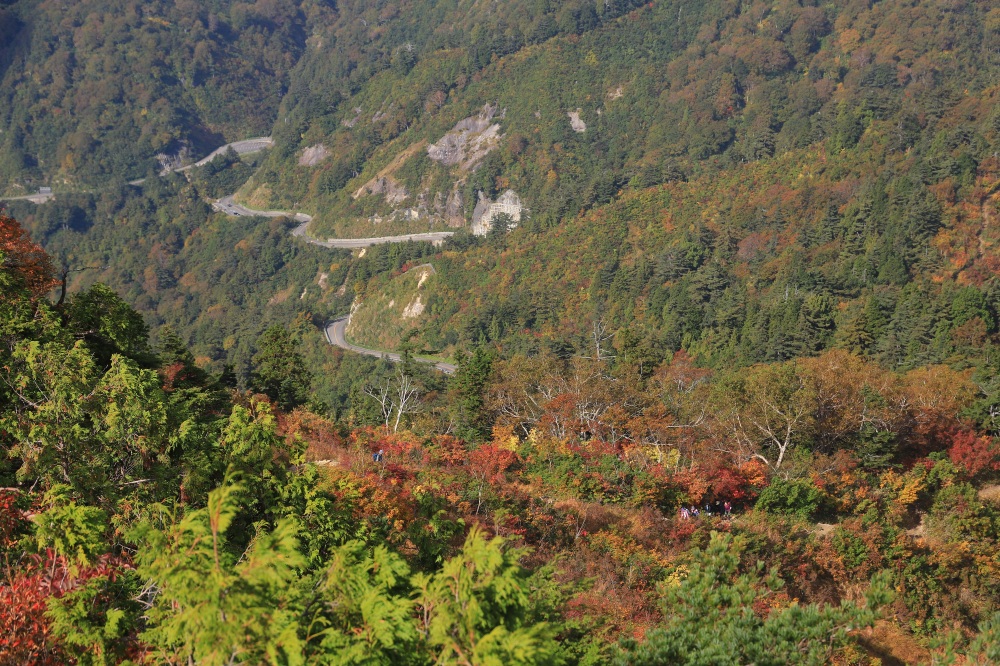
<point x="725" y="392"/>
<point x="153" y="514"/>
<point x="93" y="91"/>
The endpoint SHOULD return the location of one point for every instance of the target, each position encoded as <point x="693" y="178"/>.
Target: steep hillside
<point x="569" y="114"/>
<point x="763" y="262"/>
<point x="155" y="510"/>
<point x="748" y="183"/>
<point x="217" y="281"/>
<point x="725" y="383"/>
<point x="846" y="199"/>
<point x="392" y="311"/>
<point x="94" y="91"/>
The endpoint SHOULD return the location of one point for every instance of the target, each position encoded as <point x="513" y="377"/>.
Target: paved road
<point x="229" y="207"/>
<point x="335" y="330"/>
<point x="350" y="243"/>
<point x="33" y="198"/>
<point x="244" y="147"/>
<point x="335" y="335"/>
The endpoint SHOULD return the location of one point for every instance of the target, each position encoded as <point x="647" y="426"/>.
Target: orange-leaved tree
<point x="22" y="261"/>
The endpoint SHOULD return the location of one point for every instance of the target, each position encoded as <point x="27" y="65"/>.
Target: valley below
<point x="533" y="333"/>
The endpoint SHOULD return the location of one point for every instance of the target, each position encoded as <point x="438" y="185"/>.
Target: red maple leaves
<point x="25" y="260"/>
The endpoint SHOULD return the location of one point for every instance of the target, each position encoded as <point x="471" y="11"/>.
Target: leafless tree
<point x="601" y="335"/>
<point x="382" y="394"/>
<point x="407" y="395"/>
<point x="398" y="395"/>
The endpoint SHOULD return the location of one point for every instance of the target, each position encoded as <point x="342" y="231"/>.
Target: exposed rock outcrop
<point x="352" y="121"/>
<point x="175" y="161"/>
<point x="576" y="122"/>
<point x="313" y="155"/>
<point x="414" y="309"/>
<point x="460" y="151"/>
<point x="388" y="187"/>
<point x="469" y="141"/>
<point x="383" y="182"/>
<point x="486" y="211"/>
<point x="381" y="114"/>
<point x="450" y="209"/>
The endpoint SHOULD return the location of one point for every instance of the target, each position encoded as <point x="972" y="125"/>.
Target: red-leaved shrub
<point x="974" y="453"/>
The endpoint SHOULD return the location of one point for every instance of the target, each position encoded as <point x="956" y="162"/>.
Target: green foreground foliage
<point x="710" y="618"/>
<point x="154" y="515"/>
<point x="764" y="275"/>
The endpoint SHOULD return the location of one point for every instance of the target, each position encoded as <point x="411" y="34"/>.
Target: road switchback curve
<point x="229" y="207"/>
<point x="336" y="335"/>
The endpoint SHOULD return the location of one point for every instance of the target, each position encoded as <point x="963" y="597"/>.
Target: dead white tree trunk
<point x="383" y="396"/>
<point x="406" y="397"/>
<point x="601" y="335"/>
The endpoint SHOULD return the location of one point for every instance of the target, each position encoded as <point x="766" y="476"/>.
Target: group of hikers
<point x="720" y="508"/>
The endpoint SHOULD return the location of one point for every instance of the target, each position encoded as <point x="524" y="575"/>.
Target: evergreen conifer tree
<point x="279" y="368"/>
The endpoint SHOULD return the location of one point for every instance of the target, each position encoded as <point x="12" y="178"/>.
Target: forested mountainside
<point x="726" y="356"/>
<point x="91" y="92"/>
<point x="153" y="514"/>
<point x="866" y="204"/>
<point x="567" y="106"/>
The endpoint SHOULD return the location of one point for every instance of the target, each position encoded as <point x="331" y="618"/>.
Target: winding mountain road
<point x="335" y="335"/>
<point x="229" y="207"/>
<point x="335" y="330"/>
<point x="244" y="147"/>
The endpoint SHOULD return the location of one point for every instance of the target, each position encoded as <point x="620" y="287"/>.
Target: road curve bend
<point x="244" y="147"/>
<point x="229" y="207"/>
<point x="335" y="335"/>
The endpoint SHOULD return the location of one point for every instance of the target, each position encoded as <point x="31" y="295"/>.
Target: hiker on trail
<point x="377" y="457"/>
<point x="718" y="508"/>
<point x="728" y="508"/>
<point x="694" y="511"/>
<point x="685" y="514"/>
<point x="708" y="509"/>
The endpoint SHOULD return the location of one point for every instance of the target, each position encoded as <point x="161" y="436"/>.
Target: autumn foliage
<point x="733" y="374"/>
<point x="974" y="453"/>
<point x="27" y="598"/>
<point x="24" y="260"/>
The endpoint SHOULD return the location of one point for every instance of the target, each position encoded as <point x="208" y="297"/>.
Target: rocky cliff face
<point x="469" y="141"/>
<point x="451" y="209"/>
<point x="486" y="211"/>
<point x="313" y="155"/>
<point x="173" y="161"/>
<point x="437" y="197"/>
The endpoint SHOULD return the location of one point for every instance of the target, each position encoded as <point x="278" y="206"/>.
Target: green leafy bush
<point x="798" y="497"/>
